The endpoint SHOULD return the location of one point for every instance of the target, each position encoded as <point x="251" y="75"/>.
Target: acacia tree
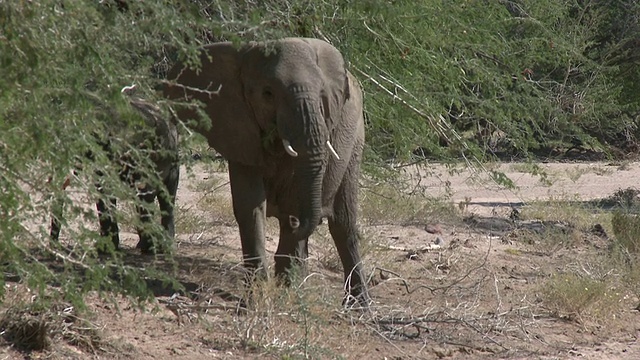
<point x="64" y="66"/>
<point x="488" y="78"/>
<point x="472" y="78"/>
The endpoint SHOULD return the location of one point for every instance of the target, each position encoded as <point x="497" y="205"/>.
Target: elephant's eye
<point x="267" y="95"/>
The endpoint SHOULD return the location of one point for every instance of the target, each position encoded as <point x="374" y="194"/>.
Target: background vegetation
<point x="446" y="80"/>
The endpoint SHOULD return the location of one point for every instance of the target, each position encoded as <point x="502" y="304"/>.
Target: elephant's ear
<point x="234" y="132"/>
<point x="336" y="81"/>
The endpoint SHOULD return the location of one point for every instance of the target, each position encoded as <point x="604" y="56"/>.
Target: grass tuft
<point x="581" y="298"/>
<point x="382" y="204"/>
<point x="33" y="328"/>
<point x="626" y="228"/>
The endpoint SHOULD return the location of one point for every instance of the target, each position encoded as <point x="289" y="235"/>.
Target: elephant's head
<point x="289" y="91"/>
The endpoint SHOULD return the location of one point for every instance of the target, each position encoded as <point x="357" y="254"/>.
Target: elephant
<point x="288" y="117"/>
<point x="158" y="138"/>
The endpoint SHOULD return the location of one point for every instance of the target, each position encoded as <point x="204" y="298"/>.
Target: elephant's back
<point x="157" y="135"/>
<point x="165" y="130"/>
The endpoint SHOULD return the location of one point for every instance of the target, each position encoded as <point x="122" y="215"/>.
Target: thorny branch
<point x="209" y="93"/>
<point x="444" y="289"/>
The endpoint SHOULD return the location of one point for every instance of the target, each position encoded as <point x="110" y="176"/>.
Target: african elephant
<point x="288" y="117"/>
<point x="157" y="137"/>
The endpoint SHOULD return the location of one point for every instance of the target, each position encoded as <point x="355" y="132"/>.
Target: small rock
<point x="599" y="231"/>
<point x="441" y="352"/>
<point x="439" y="241"/>
<point x="515" y="214"/>
<point x="412" y="255"/>
<point x="433" y="229"/>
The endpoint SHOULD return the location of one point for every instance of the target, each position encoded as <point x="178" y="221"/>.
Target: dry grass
<point x="594" y="290"/>
<point x="29" y="327"/>
<point x="567" y="209"/>
<point x="582" y="298"/>
<point x="386" y="203"/>
<point x="626" y="228"/>
<point x="291" y="322"/>
<point x="576" y="172"/>
<point x="477" y="295"/>
<point x="215" y="200"/>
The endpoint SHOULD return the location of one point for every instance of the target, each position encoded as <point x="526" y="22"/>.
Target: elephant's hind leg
<point x="108" y="222"/>
<point x="291" y="253"/>
<point x="147" y="244"/>
<point x="345" y="235"/>
<point x="167" y="201"/>
<point x="57" y="208"/>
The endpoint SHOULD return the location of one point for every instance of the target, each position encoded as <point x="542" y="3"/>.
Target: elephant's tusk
<point x="288" y="148"/>
<point x="332" y="150"/>
<point x="126" y="89"/>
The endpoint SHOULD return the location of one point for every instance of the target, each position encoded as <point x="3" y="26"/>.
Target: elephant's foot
<point x="106" y="246"/>
<point x="150" y="246"/>
<point x="357" y="299"/>
<point x="291" y="256"/>
<point x="357" y="296"/>
<point x="253" y="276"/>
<point x="254" y="271"/>
<point x="146" y="247"/>
<point x="288" y="269"/>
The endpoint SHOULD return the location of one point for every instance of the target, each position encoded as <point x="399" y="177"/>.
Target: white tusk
<point x="128" y="88"/>
<point x="333" y="151"/>
<point x="288" y="148"/>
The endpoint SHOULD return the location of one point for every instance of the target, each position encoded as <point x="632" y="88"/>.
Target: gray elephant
<point x="287" y="115"/>
<point x="158" y="138"/>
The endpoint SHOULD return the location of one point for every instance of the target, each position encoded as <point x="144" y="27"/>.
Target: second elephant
<point x="288" y="117"/>
<point x="156" y="138"/>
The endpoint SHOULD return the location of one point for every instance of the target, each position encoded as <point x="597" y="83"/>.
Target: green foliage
<point x="471" y="78"/>
<point x="64" y="64"/>
<point x="507" y="78"/>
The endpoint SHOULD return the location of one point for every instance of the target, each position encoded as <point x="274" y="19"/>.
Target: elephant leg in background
<point x="56" y="216"/>
<point x="146" y="196"/>
<point x="54" y="234"/>
<point x="106" y="217"/>
<point x="167" y="202"/>
<point x="57" y="211"/>
<point x="291" y="252"/>
<point x="250" y="210"/>
<point x="343" y="229"/>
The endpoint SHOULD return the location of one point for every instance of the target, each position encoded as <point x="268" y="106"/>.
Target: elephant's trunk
<point x="309" y="137"/>
<point x="310" y="176"/>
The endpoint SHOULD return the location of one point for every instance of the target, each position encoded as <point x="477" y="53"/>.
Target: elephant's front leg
<point x="291" y="253"/>
<point x="249" y="208"/>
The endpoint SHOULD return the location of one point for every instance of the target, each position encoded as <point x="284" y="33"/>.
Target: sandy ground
<point x="561" y="181"/>
<point x="441" y="289"/>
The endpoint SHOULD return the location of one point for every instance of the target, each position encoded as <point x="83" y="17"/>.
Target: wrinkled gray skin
<point x="296" y="90"/>
<point x="162" y="135"/>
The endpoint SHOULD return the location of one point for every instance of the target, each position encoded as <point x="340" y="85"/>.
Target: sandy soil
<point x="562" y="181"/>
<point x="442" y="288"/>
